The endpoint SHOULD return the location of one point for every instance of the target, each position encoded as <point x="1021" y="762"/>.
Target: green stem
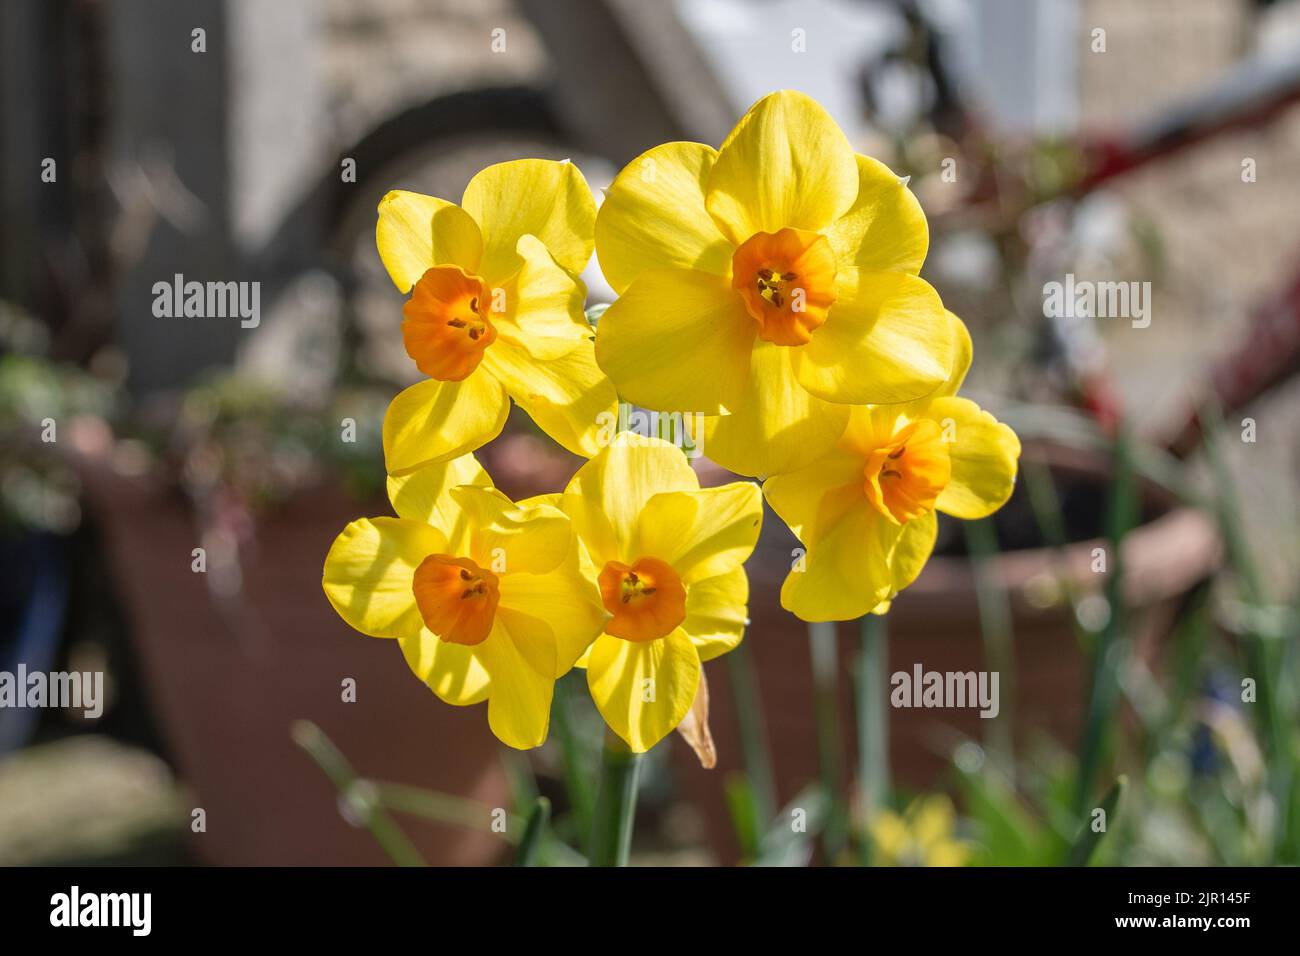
<point x="534" y="831"/>
<point x="873" y="716"/>
<point x="753" y="734"/>
<point x="872" y="680"/>
<point x="825" y="666"/>
<point x="442" y="808"/>
<point x="1110" y="646"/>
<point x="1087" y="841"/>
<point x="576" y="776"/>
<point x="996" y="631"/>
<point x="1265" y="663"/>
<point x="611" y="837"/>
<point x="358" y="794"/>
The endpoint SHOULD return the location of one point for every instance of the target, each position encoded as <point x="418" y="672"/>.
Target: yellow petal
<point x="643" y="689"/>
<point x="424" y="495"/>
<point x="785" y="164"/>
<point x="962" y="353"/>
<point x="950" y="853"/>
<point x="594" y="529"/>
<point x="653" y="217"/>
<point x="553" y="499"/>
<point x="871" y="426"/>
<point x="813" y="499"/>
<point x="932" y="820"/>
<point x="532" y="637"/>
<point x="605" y="497"/>
<point x="568" y="397"/>
<point x="507" y="539"/>
<point x="914" y="547"/>
<point x="575" y="578"/>
<point x="777" y="425"/>
<point x="416" y="232"/>
<point x="847" y="571"/>
<point x="984" y="453"/>
<point x="886" y="340"/>
<point x="677" y="341"/>
<point x="519" y="705"/>
<point x="434" y="421"/>
<point x="539" y="197"/>
<point x="369" y="570"/>
<point x="541" y="305"/>
<point x="701" y="533"/>
<point x="717" y="612"/>
<point x="885" y="231"/>
<point x="564" y="600"/>
<point x="889" y="835"/>
<point x="451" y="670"/>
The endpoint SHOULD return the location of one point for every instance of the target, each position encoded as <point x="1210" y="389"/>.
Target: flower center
<point x="787" y="281"/>
<point x="456" y="598"/>
<point x="904" y="478"/>
<point x="647" y="599"/>
<point x="446" y="328"/>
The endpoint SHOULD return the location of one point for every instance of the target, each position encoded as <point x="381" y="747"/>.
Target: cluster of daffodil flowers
<point x="771" y="289"/>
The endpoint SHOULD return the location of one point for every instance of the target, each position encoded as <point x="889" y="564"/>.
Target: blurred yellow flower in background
<point x="923" y="836"/>
<point x="769" y="285"/>
<point x="486" y="598"/>
<point x="496" y="312"/>
<point x="865" y="512"/>
<point x="667" y="555"/>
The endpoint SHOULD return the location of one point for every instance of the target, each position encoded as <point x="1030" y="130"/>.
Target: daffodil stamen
<point x="443" y="329"/>
<point x="457" y="598"/>
<point x="647" y="599"/>
<point x="633" y="588"/>
<point x="787" y="282"/>
<point x="904" y="478"/>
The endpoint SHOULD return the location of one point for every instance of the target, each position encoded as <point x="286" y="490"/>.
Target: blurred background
<point x="229" y="140"/>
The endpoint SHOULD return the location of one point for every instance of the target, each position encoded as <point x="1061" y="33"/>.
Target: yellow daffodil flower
<point x="923" y="836"/>
<point x="768" y="285"/>
<point x="865" y="512"/>
<point x="485" y="597"/>
<point x="667" y="556"/>
<point x="495" y="312"/>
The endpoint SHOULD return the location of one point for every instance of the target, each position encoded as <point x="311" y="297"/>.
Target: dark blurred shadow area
<point x="170" y="484"/>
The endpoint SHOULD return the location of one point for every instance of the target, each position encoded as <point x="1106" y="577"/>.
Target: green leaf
<point x="1013" y="837"/>
<point x="533" y="832"/>
<point x="1089" y="838"/>
<point x="358" y="797"/>
<point x="784" y="845"/>
<point x="744" y="814"/>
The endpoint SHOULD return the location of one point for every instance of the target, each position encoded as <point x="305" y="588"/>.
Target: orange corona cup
<point x="647" y="599"/>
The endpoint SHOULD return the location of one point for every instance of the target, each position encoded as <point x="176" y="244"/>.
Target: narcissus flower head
<point x="768" y="285"/>
<point x="925" y="835"/>
<point x="667" y="556"/>
<point x="865" y="511"/>
<point x="486" y="597"/>
<point x="495" y="312"/>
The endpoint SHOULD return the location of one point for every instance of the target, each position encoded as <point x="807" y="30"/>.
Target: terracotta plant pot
<point x="227" y="678"/>
<point x="936" y="623"/>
